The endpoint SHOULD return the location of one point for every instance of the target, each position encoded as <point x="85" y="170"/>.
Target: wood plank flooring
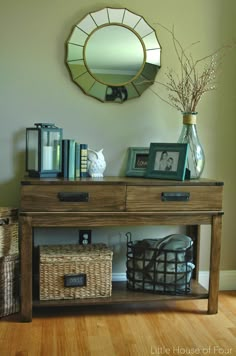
<point x="170" y="328"/>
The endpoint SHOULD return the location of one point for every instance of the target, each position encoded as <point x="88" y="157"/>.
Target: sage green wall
<point x="36" y="87"/>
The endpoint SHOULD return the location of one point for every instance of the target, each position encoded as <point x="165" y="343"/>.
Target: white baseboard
<point x="118" y="277"/>
<point x="227" y="279"/>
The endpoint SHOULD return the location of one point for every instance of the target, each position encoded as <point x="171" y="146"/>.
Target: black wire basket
<point x="160" y="265"/>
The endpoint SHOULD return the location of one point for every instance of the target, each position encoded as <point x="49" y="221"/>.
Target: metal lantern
<point x="43" y="150"/>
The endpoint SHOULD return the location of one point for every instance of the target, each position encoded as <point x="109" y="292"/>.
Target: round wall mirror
<point x="113" y="55"/>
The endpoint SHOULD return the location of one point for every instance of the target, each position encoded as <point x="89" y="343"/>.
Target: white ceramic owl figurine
<point x="96" y="163"/>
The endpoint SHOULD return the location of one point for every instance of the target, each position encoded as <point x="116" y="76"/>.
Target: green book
<point x="71" y="159"/>
<point x="65" y="145"/>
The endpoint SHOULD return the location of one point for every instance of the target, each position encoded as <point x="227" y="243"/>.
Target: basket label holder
<point x="75" y="280"/>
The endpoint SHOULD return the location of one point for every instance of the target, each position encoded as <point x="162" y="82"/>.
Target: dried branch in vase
<point x="196" y="76"/>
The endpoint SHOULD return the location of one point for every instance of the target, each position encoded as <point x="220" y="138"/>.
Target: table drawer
<point x="147" y="198"/>
<point x="72" y="198"/>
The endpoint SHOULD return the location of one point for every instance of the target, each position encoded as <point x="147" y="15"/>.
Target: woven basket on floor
<point x="9" y="284"/>
<point x="8" y="231"/>
<point x="91" y="262"/>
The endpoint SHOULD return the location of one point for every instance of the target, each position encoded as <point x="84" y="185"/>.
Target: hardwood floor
<point x="176" y="328"/>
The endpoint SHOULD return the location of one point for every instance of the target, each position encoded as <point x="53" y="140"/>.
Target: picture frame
<point x="167" y="161"/>
<point x="137" y="161"/>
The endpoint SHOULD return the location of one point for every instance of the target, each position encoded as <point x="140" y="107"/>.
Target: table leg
<point x="214" y="264"/>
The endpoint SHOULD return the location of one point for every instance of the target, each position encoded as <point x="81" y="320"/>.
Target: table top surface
<point x="120" y="181"/>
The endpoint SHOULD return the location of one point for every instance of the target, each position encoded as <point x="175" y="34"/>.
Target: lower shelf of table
<point x="121" y="295"/>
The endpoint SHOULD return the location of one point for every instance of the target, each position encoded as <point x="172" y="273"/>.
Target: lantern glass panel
<point x="50" y="147"/>
<point x="32" y="150"/>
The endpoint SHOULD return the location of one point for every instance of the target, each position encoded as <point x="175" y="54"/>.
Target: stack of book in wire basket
<point x="161" y="265"/>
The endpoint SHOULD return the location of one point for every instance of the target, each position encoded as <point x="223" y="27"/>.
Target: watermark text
<point x="178" y="350"/>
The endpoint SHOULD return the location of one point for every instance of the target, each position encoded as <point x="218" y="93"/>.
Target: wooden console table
<point x="114" y="201"/>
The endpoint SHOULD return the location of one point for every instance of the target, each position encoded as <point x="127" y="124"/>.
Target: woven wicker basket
<point x="8" y="231"/>
<point x="9" y="285"/>
<point x="92" y="262"/>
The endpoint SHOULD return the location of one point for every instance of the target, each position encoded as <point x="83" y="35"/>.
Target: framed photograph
<point x="137" y="161"/>
<point x="167" y="161"/>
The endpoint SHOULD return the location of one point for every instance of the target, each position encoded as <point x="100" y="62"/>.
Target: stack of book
<point x="74" y="159"/>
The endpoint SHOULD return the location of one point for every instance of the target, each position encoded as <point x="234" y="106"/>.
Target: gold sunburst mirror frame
<point x="113" y="55"/>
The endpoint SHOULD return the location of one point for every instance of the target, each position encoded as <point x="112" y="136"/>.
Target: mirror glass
<point x="109" y="64"/>
<point x="113" y="55"/>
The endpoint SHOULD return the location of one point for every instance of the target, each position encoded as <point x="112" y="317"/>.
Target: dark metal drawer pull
<point x="73" y="196"/>
<point x="175" y="196"/>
